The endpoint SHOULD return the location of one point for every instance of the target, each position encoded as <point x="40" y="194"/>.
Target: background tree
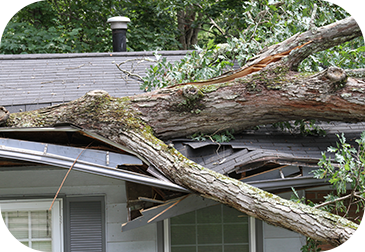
<point x="61" y="26"/>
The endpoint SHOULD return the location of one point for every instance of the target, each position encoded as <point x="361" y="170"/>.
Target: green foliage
<point x="246" y="27"/>
<point x="349" y="55"/>
<point x="265" y="23"/>
<point x="225" y="136"/>
<point x="305" y="127"/>
<point x="58" y="27"/>
<point x="349" y="171"/>
<point x="34" y="40"/>
<point x="196" y="65"/>
<point x="311" y="246"/>
<point x="153" y="24"/>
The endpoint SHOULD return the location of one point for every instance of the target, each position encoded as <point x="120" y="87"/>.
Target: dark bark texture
<point x="270" y="93"/>
<point x="188" y="27"/>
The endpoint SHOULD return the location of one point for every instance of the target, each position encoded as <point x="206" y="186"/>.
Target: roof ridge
<point x="87" y="55"/>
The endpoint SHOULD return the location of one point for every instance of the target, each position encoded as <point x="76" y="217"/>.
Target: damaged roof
<point x="38" y="80"/>
<point x="23" y="146"/>
<point x="257" y="148"/>
<point x="266" y="158"/>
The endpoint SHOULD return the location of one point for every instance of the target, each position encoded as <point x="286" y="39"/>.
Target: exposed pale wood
<point x="324" y="38"/>
<point x="246" y="70"/>
<point x="4" y="115"/>
<point x="190" y="203"/>
<point x="172" y="205"/>
<point x="260" y="173"/>
<point x="151" y="200"/>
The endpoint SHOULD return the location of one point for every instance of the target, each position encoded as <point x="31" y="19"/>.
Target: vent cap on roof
<point x="119" y="27"/>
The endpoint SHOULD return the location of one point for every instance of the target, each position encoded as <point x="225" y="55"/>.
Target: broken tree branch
<point x="131" y="72"/>
<point x="4" y="115"/>
<point x="64" y="179"/>
<point x="312" y="26"/>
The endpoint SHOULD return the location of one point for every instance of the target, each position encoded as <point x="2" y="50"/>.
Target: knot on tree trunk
<point x="336" y="75"/>
<point x="4" y="115"/>
<point x="97" y="93"/>
<point x="190" y="92"/>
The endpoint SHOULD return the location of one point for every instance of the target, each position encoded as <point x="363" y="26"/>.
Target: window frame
<point x="41" y="204"/>
<point x="251" y="234"/>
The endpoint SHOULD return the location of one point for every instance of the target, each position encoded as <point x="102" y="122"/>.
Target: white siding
<point x="280" y="239"/>
<point x="22" y="182"/>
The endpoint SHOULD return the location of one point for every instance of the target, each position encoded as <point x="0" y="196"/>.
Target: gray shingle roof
<point x="32" y="81"/>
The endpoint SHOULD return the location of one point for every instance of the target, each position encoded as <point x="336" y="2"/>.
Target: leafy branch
<point x="226" y="136"/>
<point x="131" y="73"/>
<point x="348" y="170"/>
<point x="305" y="127"/>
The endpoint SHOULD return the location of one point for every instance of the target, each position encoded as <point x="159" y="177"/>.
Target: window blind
<point x="85" y="226"/>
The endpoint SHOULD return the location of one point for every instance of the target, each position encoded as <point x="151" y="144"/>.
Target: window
<point x="33" y="225"/>
<point x="213" y="229"/>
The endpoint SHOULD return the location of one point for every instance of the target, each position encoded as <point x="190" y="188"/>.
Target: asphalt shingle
<point x="38" y="80"/>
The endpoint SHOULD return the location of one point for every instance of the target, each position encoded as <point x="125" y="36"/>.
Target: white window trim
<point x="251" y="226"/>
<point x="41" y="204"/>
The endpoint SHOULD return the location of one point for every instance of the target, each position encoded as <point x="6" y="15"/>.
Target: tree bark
<point x="272" y="95"/>
<point x="271" y="92"/>
<point x="264" y="91"/>
<point x="188" y="33"/>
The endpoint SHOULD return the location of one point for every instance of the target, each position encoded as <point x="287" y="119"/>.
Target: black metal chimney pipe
<point x="119" y="28"/>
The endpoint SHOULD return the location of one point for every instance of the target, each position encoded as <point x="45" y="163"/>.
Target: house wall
<point x="280" y="239"/>
<point x="22" y="182"/>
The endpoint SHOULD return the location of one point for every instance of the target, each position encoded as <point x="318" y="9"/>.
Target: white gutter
<point x="64" y="157"/>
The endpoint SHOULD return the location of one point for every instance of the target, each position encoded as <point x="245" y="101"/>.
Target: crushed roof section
<point x="33" y="81"/>
<point x="257" y="148"/>
<point x="95" y="158"/>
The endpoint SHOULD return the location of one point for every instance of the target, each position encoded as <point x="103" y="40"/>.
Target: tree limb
<point x="356" y="73"/>
<point x="117" y="120"/>
<point x="4" y="115"/>
<point x="131" y="72"/>
<point x="312" y="26"/>
<point x="334" y="201"/>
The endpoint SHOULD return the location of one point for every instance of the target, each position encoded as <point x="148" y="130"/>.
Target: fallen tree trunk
<point x="115" y="119"/>
<point x="264" y="91"/>
<point x="273" y="93"/>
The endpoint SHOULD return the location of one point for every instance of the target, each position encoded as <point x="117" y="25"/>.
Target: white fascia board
<point x="64" y="157"/>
